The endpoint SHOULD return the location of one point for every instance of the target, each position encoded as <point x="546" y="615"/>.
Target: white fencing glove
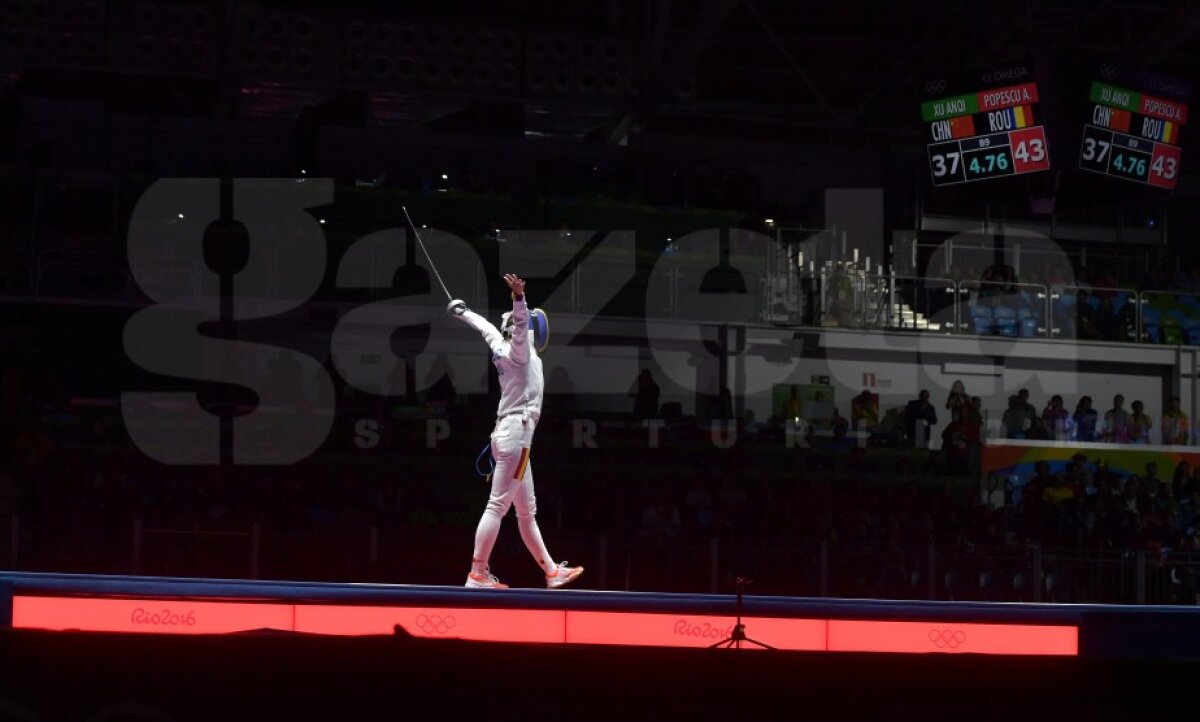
<point x="457" y="307"/>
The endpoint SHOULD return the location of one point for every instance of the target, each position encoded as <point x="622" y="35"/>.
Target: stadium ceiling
<point x="848" y="71"/>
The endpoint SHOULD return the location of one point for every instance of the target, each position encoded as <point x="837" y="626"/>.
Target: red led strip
<point x="484" y="625"/>
<point x="533" y="625"/>
<point x="880" y="636"/>
<point x="690" y="630"/>
<point x="154" y="616"/>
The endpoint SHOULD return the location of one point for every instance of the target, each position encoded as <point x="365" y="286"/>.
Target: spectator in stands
<point x="957" y="401"/>
<point x="1037" y="430"/>
<point x="1189" y="509"/>
<point x="1085" y="317"/>
<point x="1056" y="419"/>
<point x="1108" y="325"/>
<point x="838" y="422"/>
<point x="1181" y="478"/>
<point x="1175" y="427"/>
<point x="840" y="426"/>
<point x="864" y="411"/>
<point x="1058" y="492"/>
<point x="1139" y="424"/>
<point x="1031" y="494"/>
<point x="1168" y="506"/>
<point x="954" y="446"/>
<point x="973" y="436"/>
<point x="792" y="406"/>
<point x="1131" y="490"/>
<point x="962" y="443"/>
<point x="919" y="418"/>
<point x="1029" y="409"/>
<point x="1116" y="423"/>
<point x="645" y="396"/>
<point x="1127" y="322"/>
<point x="809" y="433"/>
<point x="1016" y="422"/>
<point x="999" y="279"/>
<point x="750" y="427"/>
<point x="1085" y="420"/>
<point x="1082" y="474"/>
<point x="1151" y="476"/>
<point x="1105" y="281"/>
<point x="818" y="409"/>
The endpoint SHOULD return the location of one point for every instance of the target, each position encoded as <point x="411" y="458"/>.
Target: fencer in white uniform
<point x="519" y="369"/>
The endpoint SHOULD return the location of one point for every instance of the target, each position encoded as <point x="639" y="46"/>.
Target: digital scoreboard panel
<point x="1132" y="135"/>
<point x="985" y="134"/>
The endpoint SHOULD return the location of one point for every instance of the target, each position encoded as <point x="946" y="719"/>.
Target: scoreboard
<point x="985" y="134"/>
<point x="1132" y="135"/>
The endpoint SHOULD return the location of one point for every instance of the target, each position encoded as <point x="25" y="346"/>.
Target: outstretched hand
<point x="515" y="283"/>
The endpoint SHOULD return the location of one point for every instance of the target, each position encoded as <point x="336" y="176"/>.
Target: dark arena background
<point x="873" y="338"/>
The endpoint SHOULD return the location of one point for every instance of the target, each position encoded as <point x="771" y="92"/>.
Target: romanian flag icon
<point x="1021" y="116"/>
<point x="962" y="127"/>
<point x="1170" y="133"/>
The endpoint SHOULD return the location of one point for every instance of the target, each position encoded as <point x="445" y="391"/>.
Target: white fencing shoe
<point x="562" y="576"/>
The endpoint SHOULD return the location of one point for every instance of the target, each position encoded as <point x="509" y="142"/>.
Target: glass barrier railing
<point x="1094" y="313"/>
<point x="690" y="288"/>
<point x="1169" y="317"/>
<point x="917" y="303"/>
<point x="851" y="298"/>
<point x="1000" y="308"/>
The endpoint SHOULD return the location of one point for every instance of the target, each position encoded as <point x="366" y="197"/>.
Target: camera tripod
<point x="738" y="635"/>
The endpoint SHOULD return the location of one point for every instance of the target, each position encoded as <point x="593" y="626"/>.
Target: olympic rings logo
<point x="947" y="638"/>
<point x="435" y="623"/>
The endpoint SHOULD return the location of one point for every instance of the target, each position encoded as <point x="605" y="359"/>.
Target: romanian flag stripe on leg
<point x="519" y="472"/>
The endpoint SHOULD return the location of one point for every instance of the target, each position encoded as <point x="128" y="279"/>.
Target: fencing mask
<point x="539" y="326"/>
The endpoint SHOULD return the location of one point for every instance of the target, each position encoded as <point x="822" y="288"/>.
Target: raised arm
<point x="520" y="315"/>
<point x="491" y="335"/>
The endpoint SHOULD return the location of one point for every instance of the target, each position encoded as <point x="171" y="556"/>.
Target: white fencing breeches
<point x="512" y="485"/>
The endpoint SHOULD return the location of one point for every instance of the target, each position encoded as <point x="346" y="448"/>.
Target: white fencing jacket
<point x="517" y="362"/>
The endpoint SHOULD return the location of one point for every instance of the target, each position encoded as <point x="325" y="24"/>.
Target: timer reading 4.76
<point x="1133" y="136"/>
<point x="1131" y="164"/>
<point x="987" y="134"/>
<point x="988" y="156"/>
<point x="988" y="163"/>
